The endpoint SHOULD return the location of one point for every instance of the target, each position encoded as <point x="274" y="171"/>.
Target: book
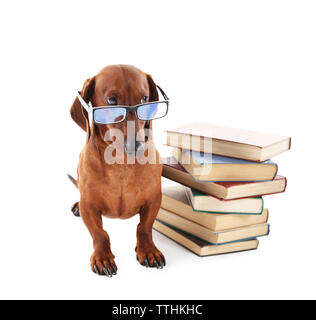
<point x="208" y="167"/>
<point x="223" y="190"/>
<point x="213" y="237"/>
<point x="175" y="200"/>
<point x="203" y="202"/>
<point x="200" y="247"/>
<point x="229" y="142"/>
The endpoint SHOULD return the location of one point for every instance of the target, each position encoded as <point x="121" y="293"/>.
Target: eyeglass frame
<point x="91" y="109"/>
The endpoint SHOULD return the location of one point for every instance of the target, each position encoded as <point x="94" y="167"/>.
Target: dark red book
<point x="222" y="190"/>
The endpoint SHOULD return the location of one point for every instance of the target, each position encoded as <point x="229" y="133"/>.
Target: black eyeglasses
<point x="116" y="114"/>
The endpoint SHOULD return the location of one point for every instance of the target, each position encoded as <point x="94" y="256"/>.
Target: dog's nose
<point x="138" y="146"/>
<point x="134" y="149"/>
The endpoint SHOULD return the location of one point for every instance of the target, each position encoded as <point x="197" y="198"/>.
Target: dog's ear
<point x="77" y="112"/>
<point x="153" y="93"/>
<point x="153" y="96"/>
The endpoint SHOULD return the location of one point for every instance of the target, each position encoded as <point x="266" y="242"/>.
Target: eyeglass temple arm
<point x="83" y="103"/>
<point x="162" y="92"/>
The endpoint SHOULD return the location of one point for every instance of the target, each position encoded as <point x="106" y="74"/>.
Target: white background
<point x="248" y="64"/>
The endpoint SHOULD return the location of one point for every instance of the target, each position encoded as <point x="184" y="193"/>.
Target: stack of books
<point x="216" y="205"/>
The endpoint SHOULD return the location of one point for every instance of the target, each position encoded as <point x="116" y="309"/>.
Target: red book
<point x="222" y="190"/>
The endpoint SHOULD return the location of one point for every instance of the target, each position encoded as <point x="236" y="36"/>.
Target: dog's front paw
<point x="150" y="257"/>
<point x="103" y="264"/>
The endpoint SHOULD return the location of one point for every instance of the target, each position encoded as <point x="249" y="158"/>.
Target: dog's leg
<point x="146" y="252"/>
<point x="102" y="259"/>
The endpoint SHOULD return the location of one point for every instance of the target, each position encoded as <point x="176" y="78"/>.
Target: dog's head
<point x="117" y="85"/>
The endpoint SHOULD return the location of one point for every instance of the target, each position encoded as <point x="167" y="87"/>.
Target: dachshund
<point x="119" y="189"/>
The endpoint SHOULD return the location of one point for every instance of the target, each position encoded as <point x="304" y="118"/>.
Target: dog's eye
<point x="111" y="101"/>
<point x="144" y="99"/>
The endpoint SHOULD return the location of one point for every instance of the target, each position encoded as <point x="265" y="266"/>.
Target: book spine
<point x="262" y="203"/>
<point x="268" y="230"/>
<point x="276" y="171"/>
<point x="285" y="184"/>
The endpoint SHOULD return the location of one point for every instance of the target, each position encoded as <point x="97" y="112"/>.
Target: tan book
<point x="200" y="247"/>
<point x="208" y="167"/>
<point x="202" y="202"/>
<point x="214" y="237"/>
<point x="229" y="142"/>
<point x="175" y="200"/>
<point x="223" y="190"/>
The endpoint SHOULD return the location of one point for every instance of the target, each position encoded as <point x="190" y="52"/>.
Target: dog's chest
<point x="126" y="191"/>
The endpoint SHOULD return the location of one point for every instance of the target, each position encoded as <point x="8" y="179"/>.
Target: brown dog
<point x="117" y="190"/>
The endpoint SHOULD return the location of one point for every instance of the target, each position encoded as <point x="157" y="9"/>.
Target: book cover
<point x="249" y="205"/>
<point x="213" y="243"/>
<point x="174" y="200"/>
<point x="230" y="142"/>
<point x="208" y="167"/>
<point x="214" y="237"/>
<point x="235" y="135"/>
<point x="200" y="247"/>
<point x="225" y="190"/>
<point x="207" y="158"/>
